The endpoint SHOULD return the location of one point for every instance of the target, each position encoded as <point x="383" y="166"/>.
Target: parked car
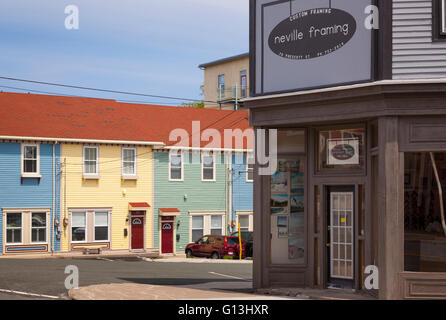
<point x="215" y="247"/>
<point x="248" y="239"/>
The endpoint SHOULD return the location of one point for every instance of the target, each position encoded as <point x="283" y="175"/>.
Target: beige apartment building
<point x="226" y="82"/>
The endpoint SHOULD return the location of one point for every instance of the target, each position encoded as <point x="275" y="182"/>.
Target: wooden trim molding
<point x="423" y="285"/>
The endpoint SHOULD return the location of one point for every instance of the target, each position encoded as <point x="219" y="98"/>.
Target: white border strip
<point x="145" y="143"/>
<point x="340" y="88"/>
<point x="28" y="294"/>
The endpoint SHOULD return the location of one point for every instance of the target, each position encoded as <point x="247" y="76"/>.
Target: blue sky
<point x="147" y="46"/>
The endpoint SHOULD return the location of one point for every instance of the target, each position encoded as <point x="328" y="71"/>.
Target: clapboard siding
<point x="242" y="191"/>
<point x="200" y="196"/>
<point x="415" y="56"/>
<point x="29" y="193"/>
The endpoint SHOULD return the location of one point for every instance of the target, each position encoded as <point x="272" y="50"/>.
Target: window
<point x="30" y="156"/>
<point x="197" y="227"/>
<point x="439" y="20"/>
<point x="101" y="226"/>
<point x="78" y="227"/>
<point x="38" y="227"/>
<point x="243" y="83"/>
<point x="288" y="212"/>
<point x="424" y="216"/>
<point x="13" y="227"/>
<point x="128" y="161"/>
<point x="91" y="160"/>
<point x="249" y="168"/>
<point x="221" y="86"/>
<point x="208" y="168"/>
<point x="244" y="223"/>
<point x="216" y="225"/>
<point x="341" y="149"/>
<point x="176" y="167"/>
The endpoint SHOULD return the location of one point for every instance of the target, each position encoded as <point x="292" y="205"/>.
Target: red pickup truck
<point x="215" y="247"/>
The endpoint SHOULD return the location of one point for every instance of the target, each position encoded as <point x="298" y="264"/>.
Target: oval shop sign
<point x="343" y="152"/>
<point x="312" y="33"/>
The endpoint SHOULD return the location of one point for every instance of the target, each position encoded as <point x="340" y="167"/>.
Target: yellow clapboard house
<point x="106" y="197"/>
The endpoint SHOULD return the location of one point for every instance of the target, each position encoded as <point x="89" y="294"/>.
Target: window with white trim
<point x="78" y="227"/>
<point x="197" y="227"/>
<point x="244" y="222"/>
<point x="175" y="167"/>
<point x="31" y="157"/>
<point x="91" y="160"/>
<point x="206" y="223"/>
<point x="443" y="17"/>
<point x="208" y="168"/>
<point x="101" y="226"/>
<point x="128" y="161"/>
<point x="14" y="227"/>
<point x="38" y="227"/>
<point x="216" y="225"/>
<point x="249" y="168"/>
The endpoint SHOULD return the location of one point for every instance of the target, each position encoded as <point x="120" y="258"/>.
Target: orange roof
<point x="139" y="205"/>
<point x="45" y="116"/>
<point x="169" y="210"/>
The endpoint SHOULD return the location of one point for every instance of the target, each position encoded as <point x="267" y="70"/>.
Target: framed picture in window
<point x="282" y="226"/>
<point x="297" y="203"/>
<point x="279" y="182"/>
<point x="296" y="248"/>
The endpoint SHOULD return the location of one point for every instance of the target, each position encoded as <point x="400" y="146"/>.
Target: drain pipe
<point x="440" y="192"/>
<point x="53" y="214"/>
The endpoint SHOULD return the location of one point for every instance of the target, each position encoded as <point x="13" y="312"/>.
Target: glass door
<point x="340" y="235"/>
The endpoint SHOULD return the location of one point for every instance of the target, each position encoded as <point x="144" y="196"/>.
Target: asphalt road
<point x="47" y="276"/>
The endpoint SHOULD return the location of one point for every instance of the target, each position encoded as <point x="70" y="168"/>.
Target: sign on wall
<point x="343" y="151"/>
<point x="305" y="44"/>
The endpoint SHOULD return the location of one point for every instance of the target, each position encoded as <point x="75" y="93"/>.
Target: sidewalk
<point x="132" y="291"/>
<point x="118" y="254"/>
<point x="183" y="259"/>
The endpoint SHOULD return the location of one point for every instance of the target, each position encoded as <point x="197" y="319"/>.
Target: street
<point x="46" y="276"/>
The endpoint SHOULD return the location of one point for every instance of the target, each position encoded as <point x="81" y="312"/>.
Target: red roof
<point x="168" y="210"/>
<point x="139" y="205"/>
<point x="45" y="116"/>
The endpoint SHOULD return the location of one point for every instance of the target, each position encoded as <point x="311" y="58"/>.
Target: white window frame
<point x="192" y="229"/>
<point x="31" y="174"/>
<point x="207" y="221"/>
<point x="250" y="219"/>
<point x="6" y="229"/>
<point x="129" y="176"/>
<point x="248" y="156"/>
<point x="214" y="178"/>
<point x="443" y="17"/>
<point x="94" y="225"/>
<point x="182" y="166"/>
<point x="90" y="175"/>
<point x="85" y="212"/>
<point x="31" y="227"/>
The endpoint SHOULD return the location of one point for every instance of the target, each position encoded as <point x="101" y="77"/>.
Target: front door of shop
<point x="167" y="237"/>
<point x="340" y="218"/>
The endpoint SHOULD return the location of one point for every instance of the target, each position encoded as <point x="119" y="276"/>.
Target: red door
<point x="167" y="237"/>
<point x="137" y="233"/>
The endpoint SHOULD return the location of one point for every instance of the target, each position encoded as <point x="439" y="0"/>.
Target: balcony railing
<point x="230" y="94"/>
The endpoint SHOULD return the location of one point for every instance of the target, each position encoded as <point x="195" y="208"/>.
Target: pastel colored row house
<point x="193" y="184"/>
<point x="107" y="179"/>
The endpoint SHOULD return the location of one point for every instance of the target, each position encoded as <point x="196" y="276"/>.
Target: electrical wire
<point x="101" y="90"/>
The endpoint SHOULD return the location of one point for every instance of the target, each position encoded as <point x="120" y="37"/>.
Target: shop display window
<point x="287" y="212"/>
<point x="424" y="212"/>
<point x="341" y="150"/>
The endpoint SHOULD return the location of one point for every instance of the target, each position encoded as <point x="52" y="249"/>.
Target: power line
<point x="77" y="96"/>
<point x="101" y="90"/>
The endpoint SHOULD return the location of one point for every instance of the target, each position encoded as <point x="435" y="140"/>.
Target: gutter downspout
<point x="440" y="192"/>
<point x="53" y="215"/>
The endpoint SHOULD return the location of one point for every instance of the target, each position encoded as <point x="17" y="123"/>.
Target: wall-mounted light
<point x="185" y="197"/>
